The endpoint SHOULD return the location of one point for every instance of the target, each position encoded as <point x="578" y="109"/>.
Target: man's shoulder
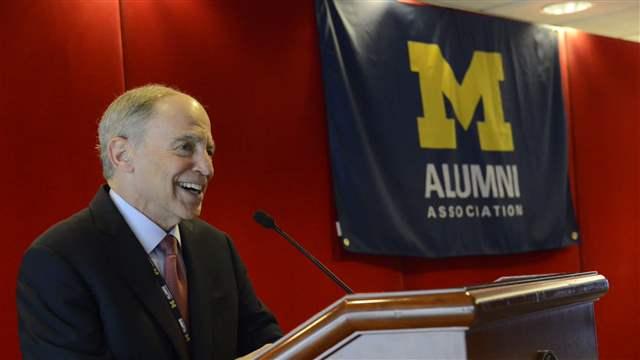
<point x="69" y="234"/>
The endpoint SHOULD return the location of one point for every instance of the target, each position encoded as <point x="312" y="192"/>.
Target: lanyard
<point x="171" y="301"/>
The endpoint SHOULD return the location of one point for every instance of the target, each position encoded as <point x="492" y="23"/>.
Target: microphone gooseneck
<point x="268" y="222"/>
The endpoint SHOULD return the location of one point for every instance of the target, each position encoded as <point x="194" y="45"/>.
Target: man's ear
<point x="120" y="152"/>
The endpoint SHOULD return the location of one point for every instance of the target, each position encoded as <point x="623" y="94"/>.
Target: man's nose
<point x="204" y="164"/>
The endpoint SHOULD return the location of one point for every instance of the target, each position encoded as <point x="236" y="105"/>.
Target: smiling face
<point x="172" y="165"/>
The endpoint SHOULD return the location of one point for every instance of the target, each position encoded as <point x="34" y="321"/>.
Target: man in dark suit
<point x="136" y="275"/>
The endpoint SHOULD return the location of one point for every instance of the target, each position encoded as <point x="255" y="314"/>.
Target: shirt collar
<point x="146" y="231"/>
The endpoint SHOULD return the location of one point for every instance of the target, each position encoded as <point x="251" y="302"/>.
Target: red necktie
<point x="175" y="274"/>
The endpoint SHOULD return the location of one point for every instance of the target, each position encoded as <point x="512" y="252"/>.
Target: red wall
<point x="60" y="63"/>
<point x="604" y="93"/>
<point x="255" y="66"/>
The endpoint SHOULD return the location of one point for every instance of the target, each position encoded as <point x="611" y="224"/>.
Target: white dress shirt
<point x="148" y="233"/>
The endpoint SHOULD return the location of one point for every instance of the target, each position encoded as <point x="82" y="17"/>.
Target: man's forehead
<point x="182" y="111"/>
<point x="180" y="104"/>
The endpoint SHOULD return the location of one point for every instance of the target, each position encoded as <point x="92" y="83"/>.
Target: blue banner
<point x="447" y="131"/>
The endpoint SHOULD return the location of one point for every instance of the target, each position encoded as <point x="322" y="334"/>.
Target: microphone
<point x="267" y="221"/>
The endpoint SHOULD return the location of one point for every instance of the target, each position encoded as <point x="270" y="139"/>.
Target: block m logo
<point x="481" y="81"/>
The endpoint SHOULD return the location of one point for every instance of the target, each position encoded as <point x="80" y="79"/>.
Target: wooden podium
<point x="532" y="317"/>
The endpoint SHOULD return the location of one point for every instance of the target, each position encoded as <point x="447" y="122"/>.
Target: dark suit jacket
<point x="86" y="290"/>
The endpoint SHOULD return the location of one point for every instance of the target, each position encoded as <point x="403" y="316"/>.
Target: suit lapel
<point x="208" y="272"/>
<point x="129" y="259"/>
<point x="200" y="291"/>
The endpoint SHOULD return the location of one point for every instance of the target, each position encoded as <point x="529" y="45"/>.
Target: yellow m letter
<point x="482" y="81"/>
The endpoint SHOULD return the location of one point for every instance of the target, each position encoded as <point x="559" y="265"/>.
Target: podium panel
<point x="568" y="332"/>
<point x="439" y="343"/>
<point x="532" y="317"/>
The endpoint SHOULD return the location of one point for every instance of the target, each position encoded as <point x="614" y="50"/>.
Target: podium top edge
<point x="502" y="282"/>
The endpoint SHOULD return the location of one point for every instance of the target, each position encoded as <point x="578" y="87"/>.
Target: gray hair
<point x="127" y="117"/>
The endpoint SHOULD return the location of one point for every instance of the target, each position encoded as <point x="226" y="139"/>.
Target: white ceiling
<point x="613" y="18"/>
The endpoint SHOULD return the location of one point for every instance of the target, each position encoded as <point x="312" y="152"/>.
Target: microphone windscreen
<point x="264" y="219"/>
